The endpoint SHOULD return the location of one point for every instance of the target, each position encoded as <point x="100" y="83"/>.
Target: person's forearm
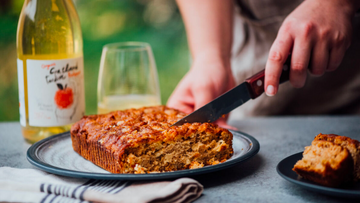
<point x="209" y="26"/>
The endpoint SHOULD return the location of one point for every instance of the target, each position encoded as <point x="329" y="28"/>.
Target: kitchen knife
<point x="250" y="89"/>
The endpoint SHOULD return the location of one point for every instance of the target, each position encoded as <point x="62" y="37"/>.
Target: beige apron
<point x="255" y="28"/>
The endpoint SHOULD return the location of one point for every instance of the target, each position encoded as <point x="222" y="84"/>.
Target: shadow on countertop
<point x="232" y="174"/>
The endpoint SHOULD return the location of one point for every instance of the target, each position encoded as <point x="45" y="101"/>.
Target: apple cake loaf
<point x="142" y="141"/>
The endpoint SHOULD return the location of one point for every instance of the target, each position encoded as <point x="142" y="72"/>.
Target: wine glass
<point x="127" y="77"/>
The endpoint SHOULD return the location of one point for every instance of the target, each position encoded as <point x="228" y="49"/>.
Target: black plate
<point x="55" y="155"/>
<point x="284" y="168"/>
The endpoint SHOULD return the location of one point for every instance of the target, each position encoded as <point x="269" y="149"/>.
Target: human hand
<point x="317" y="32"/>
<point x="209" y="77"/>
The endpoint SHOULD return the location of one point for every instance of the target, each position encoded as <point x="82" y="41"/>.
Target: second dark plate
<point x="284" y="169"/>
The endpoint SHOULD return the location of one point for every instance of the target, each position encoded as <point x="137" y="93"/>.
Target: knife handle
<point x="257" y="81"/>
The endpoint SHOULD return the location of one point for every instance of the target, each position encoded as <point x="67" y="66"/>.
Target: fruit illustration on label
<point x="64" y="96"/>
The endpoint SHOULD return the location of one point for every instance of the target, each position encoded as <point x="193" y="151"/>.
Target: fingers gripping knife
<point x="250" y="89"/>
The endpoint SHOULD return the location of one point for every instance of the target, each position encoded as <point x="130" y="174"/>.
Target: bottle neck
<point x="46" y="1"/>
<point x="49" y="27"/>
<point x="32" y="7"/>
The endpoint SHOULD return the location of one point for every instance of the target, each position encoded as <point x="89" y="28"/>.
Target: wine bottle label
<point x="20" y="70"/>
<point x="55" y="91"/>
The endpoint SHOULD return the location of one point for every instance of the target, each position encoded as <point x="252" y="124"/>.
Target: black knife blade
<point x="250" y="89"/>
<point x="219" y="106"/>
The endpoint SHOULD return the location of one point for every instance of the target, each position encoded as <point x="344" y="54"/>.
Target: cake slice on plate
<point x="353" y="146"/>
<point x="326" y="163"/>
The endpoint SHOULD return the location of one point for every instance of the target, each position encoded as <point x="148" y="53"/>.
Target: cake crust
<point x="142" y="141"/>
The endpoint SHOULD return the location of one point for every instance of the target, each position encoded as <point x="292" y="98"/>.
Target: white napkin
<point x="31" y="185"/>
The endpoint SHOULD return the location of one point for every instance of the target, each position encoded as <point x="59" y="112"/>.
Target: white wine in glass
<point x="127" y="77"/>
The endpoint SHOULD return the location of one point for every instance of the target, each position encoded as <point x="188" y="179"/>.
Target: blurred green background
<point x="157" y="22"/>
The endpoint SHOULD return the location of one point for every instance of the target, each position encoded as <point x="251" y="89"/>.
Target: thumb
<point x="202" y="97"/>
<point x="222" y="123"/>
<point x="182" y="101"/>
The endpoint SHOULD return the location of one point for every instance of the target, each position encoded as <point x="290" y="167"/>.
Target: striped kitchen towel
<point x="31" y="185"/>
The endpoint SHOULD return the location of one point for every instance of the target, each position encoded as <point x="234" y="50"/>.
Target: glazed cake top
<point x="121" y="129"/>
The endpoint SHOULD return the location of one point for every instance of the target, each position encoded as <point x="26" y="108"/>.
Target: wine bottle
<point x="50" y="68"/>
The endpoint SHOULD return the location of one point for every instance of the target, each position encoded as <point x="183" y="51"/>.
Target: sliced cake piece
<point x="326" y="163"/>
<point x="142" y="141"/>
<point x="353" y="146"/>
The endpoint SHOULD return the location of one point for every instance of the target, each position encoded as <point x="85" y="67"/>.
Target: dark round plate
<point x="56" y="155"/>
<point x="284" y="169"/>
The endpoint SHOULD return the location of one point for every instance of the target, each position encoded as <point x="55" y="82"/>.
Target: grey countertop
<point x="255" y="180"/>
